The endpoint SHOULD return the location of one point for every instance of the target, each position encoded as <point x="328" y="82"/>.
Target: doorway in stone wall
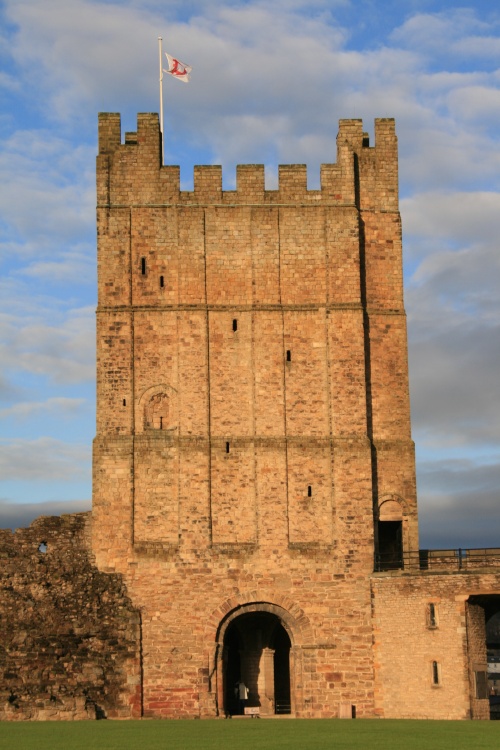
<point x="390" y="545"/>
<point x="484" y="648"/>
<point x="257" y="653"/>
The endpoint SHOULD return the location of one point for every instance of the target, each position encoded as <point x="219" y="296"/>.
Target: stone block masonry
<point x="252" y="415"/>
<point x="427" y="661"/>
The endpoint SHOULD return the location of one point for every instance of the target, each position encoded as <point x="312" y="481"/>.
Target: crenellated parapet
<point x="131" y="173"/>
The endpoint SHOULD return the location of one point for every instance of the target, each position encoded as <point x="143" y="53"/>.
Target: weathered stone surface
<point x="70" y="635"/>
<point x="253" y="410"/>
<point x="253" y="455"/>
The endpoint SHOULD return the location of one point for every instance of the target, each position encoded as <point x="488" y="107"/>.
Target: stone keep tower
<point x="253" y="448"/>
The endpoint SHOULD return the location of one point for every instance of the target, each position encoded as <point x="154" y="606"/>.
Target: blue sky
<point x="269" y="84"/>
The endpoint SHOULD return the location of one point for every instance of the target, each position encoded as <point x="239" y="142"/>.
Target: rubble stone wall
<point x="69" y="647"/>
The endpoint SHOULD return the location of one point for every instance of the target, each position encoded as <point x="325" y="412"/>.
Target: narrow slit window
<point x="124" y="402"/>
<point x="227" y="447"/>
<point x="309" y="491"/>
<point x="161" y="422"/>
<point x="288" y="355"/>
<point x="431" y="615"/>
<point x="162" y="282"/>
<point x="235" y="324"/>
<point x="435" y="673"/>
<point x="143" y="266"/>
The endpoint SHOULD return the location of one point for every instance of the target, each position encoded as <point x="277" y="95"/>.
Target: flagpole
<point x="161" y="102"/>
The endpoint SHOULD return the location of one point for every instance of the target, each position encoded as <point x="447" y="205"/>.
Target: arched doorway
<point x="389" y="535"/>
<point x="256" y="651"/>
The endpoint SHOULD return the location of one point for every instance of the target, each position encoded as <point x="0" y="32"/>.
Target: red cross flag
<point x="177" y="69"/>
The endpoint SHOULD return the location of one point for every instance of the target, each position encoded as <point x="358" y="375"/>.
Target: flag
<point x="177" y="69"/>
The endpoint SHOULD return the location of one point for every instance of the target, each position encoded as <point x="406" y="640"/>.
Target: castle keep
<point x="253" y="418"/>
<point x="254" y="476"/>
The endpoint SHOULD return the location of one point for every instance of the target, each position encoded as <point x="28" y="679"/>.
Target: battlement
<point x="363" y="175"/>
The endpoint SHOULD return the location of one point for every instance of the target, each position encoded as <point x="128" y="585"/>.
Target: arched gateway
<point x="255" y="647"/>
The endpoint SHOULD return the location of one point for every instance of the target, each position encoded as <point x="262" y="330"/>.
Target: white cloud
<point x="43" y="460"/>
<point x="65" y="353"/>
<point x="460" y="217"/>
<point x="55" y="180"/>
<point x="58" y="404"/>
<point x="79" y="263"/>
<point x="480" y="104"/>
<point x="448" y="34"/>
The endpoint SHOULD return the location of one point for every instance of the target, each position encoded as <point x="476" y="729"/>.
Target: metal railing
<point x="439" y="559"/>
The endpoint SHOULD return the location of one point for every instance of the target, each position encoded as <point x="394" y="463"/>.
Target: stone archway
<point x="256" y="644"/>
<point x="389" y="534"/>
<point x="256" y="653"/>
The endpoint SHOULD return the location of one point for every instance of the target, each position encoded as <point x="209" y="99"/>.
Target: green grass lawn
<point x="254" y="734"/>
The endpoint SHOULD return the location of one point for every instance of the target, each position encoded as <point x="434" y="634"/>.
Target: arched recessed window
<point x="157" y="412"/>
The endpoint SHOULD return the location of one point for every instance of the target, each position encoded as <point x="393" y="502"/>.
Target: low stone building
<point x="254" y="502"/>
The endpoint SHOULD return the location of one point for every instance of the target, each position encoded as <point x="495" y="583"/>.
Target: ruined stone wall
<point x="70" y="635"/>
<point x="407" y="642"/>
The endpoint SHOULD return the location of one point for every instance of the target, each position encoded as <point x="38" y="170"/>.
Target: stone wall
<point x="425" y="665"/>
<point x="70" y="635"/>
<point x="264" y="333"/>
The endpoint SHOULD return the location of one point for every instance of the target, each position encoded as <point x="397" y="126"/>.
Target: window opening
<point x="435" y="673"/>
<point x="390" y="545"/>
<point x="431" y="615"/>
<point x="227" y="447"/>
<point x="42" y="547"/>
<point x="161" y="422"/>
<point x="288" y="355"/>
<point x="143" y="266"/>
<point x="124" y="402"/>
<point x="235" y="324"/>
<point x="162" y="284"/>
<point x="309" y="491"/>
